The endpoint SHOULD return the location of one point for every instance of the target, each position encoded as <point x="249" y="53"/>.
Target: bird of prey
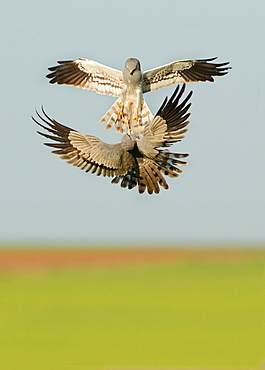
<point x="141" y="161"/>
<point x="130" y="111"/>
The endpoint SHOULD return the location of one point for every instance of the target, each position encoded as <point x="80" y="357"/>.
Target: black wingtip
<point x="171" y="106"/>
<point x="207" y="59"/>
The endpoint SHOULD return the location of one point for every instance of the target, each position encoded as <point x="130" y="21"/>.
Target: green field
<point x="198" y="315"/>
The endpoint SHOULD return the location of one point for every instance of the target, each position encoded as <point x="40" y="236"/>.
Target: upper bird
<point x="133" y="161"/>
<point x="130" y="112"/>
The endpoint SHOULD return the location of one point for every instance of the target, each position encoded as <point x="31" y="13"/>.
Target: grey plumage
<point x="135" y="160"/>
<point x="129" y="111"/>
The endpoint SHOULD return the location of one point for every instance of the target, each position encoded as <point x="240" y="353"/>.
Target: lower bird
<point x="135" y="161"/>
<point x="130" y="113"/>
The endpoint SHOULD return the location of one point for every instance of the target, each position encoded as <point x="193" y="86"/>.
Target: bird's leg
<point x="136" y="113"/>
<point x="127" y="121"/>
<point x="138" y="109"/>
<point x="121" y="113"/>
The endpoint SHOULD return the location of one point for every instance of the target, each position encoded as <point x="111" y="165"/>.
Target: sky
<point x="219" y="197"/>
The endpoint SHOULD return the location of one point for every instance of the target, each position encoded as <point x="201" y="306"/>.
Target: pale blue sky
<point x="219" y="197"/>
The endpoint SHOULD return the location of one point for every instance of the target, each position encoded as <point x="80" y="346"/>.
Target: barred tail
<point x="112" y="117"/>
<point x="124" y="118"/>
<point x="151" y="172"/>
<point x="150" y="177"/>
<point x="130" y="180"/>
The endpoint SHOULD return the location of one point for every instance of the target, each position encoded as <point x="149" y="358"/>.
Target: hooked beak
<point x="131" y="71"/>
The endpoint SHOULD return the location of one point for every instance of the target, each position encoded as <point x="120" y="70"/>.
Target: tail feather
<point x="123" y="120"/>
<point x="150" y="177"/>
<point x="152" y="172"/>
<point x="130" y="180"/>
<point x="111" y="117"/>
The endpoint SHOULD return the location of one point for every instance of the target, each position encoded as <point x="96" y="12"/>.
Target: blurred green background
<point x="197" y="314"/>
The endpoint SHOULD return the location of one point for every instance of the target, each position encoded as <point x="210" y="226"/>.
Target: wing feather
<point x="168" y="126"/>
<point x="85" y="151"/>
<point x="182" y="71"/>
<point x="87" y="74"/>
<point x="175" y="114"/>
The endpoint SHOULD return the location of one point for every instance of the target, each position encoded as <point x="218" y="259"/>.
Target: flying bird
<point x="130" y="111"/>
<point x="141" y="161"/>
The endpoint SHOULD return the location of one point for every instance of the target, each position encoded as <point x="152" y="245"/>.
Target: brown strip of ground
<point x="45" y="258"/>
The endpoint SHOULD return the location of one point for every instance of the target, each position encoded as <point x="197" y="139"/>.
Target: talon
<point x="121" y="113"/>
<point x="136" y="118"/>
<point x="127" y="122"/>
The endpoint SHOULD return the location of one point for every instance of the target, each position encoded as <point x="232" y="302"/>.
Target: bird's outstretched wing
<point x="88" y="75"/>
<point x="175" y="114"/>
<point x="85" y="151"/>
<point x="169" y="124"/>
<point x="182" y="71"/>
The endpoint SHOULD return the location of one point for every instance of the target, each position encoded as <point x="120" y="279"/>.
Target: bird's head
<point x="128" y="137"/>
<point x="132" y="64"/>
